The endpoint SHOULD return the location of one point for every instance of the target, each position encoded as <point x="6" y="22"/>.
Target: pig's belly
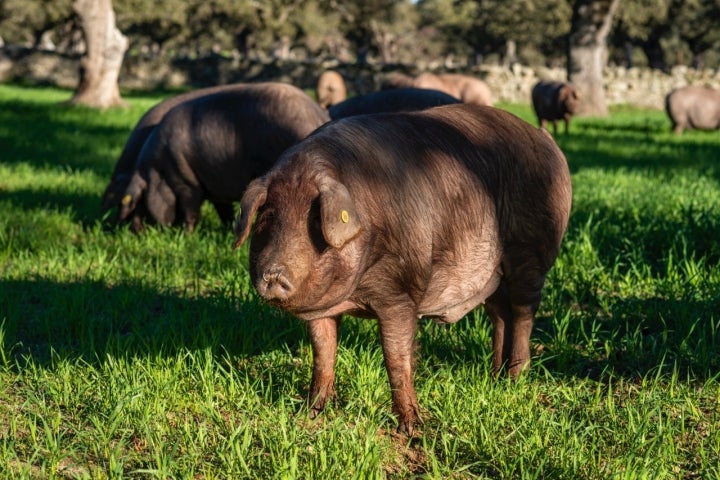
<point x="462" y="285"/>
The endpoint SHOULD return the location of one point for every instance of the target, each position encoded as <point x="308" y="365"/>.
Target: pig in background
<point x="464" y="87"/>
<point x="330" y="89"/>
<point x="553" y="101"/>
<point x="396" y="80"/>
<point x="395" y="100"/>
<point x="407" y="215"/>
<point x="693" y="107"/>
<point x="128" y="158"/>
<point x="211" y="147"/>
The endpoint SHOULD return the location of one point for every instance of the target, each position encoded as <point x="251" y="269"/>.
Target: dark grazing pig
<point x="211" y="147"/>
<point x="398" y="216"/>
<point x="466" y="88"/>
<point x="330" y="89"/>
<point x="693" y="107"/>
<point x="555" y="101"/>
<point x="128" y="158"/>
<point x="395" y="100"/>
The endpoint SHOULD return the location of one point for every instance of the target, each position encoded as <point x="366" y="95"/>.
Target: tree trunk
<point x="510" y="57"/>
<point x="587" y="55"/>
<point x="105" y="49"/>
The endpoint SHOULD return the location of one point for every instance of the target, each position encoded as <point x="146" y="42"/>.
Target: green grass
<point x="151" y="356"/>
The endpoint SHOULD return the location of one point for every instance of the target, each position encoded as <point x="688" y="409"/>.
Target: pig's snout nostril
<point x="275" y="284"/>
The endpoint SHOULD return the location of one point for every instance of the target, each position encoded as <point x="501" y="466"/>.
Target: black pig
<point x="393" y="100"/>
<point x="143" y="128"/>
<point x="211" y="147"/>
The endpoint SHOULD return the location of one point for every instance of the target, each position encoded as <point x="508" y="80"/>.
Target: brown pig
<point x="466" y="88"/>
<point x="693" y="107"/>
<point x="555" y="101"/>
<point x="330" y="89"/>
<point x="128" y="158"/>
<point x="398" y="216"/>
<point x="211" y="147"/>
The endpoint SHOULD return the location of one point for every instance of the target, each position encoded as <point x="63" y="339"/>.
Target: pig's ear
<point x="160" y="199"/>
<point x="340" y="221"/>
<point x="253" y="198"/>
<point x="133" y="194"/>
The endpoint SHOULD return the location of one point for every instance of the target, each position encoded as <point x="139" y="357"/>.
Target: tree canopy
<point x="658" y="33"/>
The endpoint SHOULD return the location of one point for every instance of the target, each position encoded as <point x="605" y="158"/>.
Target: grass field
<point x="151" y="356"/>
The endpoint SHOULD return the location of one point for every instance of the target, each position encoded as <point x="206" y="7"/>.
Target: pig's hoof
<point x="407" y="424"/>
<point x="406" y="428"/>
<point x="318" y="402"/>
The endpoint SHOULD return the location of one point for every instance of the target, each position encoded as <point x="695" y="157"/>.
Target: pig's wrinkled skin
<point x="555" y="101"/>
<point x="330" y="89"/>
<point x="693" y="107"/>
<point x="211" y="147"/>
<point x="406" y="215"/>
<point x="394" y="100"/>
<point x="466" y="88"/>
<point x="128" y="158"/>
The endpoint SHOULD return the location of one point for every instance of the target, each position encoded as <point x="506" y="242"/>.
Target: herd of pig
<point x="420" y="200"/>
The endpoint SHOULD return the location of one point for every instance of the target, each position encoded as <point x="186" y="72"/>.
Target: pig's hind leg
<point x="512" y="310"/>
<point x="190" y="201"/>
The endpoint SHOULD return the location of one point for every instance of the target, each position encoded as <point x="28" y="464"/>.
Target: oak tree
<point x="587" y="52"/>
<point x="105" y="49"/>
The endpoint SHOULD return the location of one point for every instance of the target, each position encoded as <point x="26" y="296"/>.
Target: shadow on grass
<point x="637" y="236"/>
<point x="55" y="135"/>
<point x="634" y="337"/>
<point x="637" y="142"/>
<point x="89" y="320"/>
<point x="84" y="207"/>
<point x="43" y="320"/>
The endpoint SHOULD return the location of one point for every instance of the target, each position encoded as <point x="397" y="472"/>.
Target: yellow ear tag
<point x="344" y="216"/>
<point x="126" y="199"/>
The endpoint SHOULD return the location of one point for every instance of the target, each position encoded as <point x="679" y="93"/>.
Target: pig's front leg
<point x="324" y="338"/>
<point x="397" y="332"/>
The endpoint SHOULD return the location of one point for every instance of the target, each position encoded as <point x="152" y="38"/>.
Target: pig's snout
<point x="274" y="284"/>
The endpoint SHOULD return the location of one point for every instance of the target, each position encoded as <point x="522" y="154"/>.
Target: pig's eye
<point x="315" y="227"/>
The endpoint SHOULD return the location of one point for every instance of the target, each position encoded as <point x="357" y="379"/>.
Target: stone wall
<point x="641" y="87"/>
